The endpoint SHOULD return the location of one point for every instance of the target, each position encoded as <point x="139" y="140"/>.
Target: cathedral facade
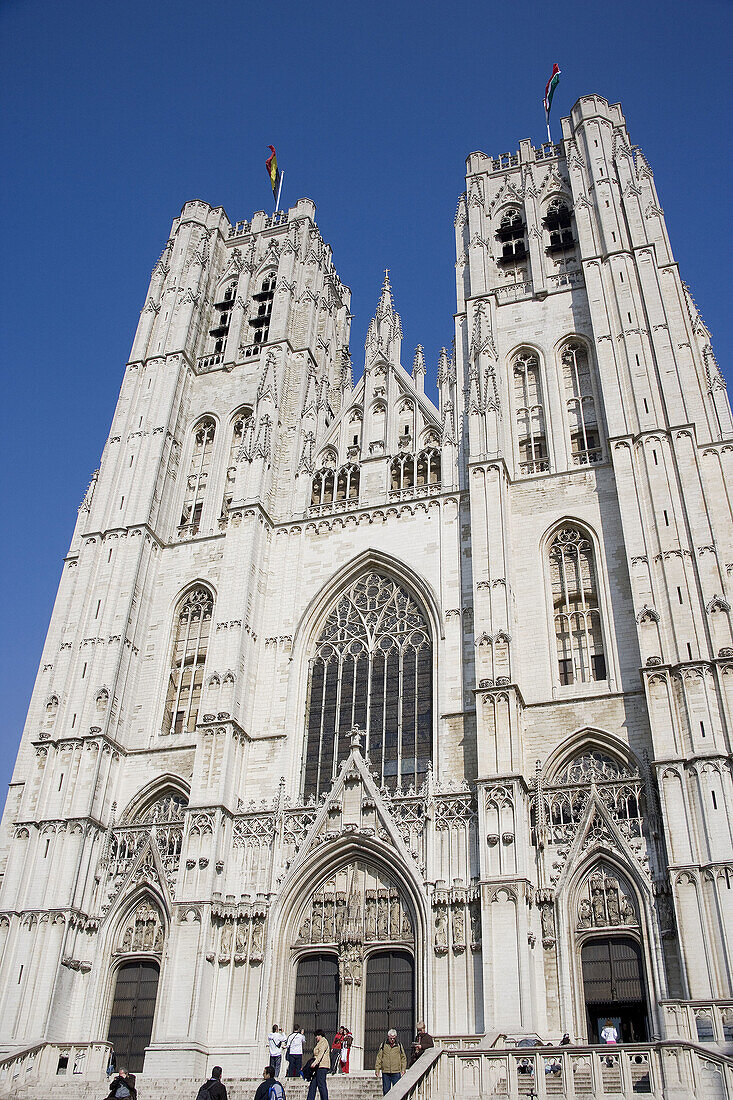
<point x="358" y="709"/>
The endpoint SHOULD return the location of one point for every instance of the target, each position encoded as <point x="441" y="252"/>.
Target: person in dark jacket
<point x="122" y="1087"/>
<point x="422" y="1042"/>
<point x="267" y="1082"/>
<point x="214" y="1087"/>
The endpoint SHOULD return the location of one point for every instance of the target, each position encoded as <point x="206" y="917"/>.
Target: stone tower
<point x="346" y="692"/>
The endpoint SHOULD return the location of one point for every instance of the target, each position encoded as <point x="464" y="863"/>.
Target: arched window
<point x="222" y="317"/>
<point x="198" y="474"/>
<point x="402" y="473"/>
<point x="559" y="225"/>
<point x="347" y="483"/>
<point x="511" y="234"/>
<point x="530" y="414"/>
<point x="239" y="427"/>
<point x="191" y="640"/>
<point x="372" y="668"/>
<point x="578" y="632"/>
<point x="585" y="440"/>
<point x="323" y="487"/>
<point x="428" y="467"/>
<point x="263" y="304"/>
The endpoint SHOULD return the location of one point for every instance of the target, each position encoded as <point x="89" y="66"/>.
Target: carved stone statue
<point x="459" y="928"/>
<point x="597" y="900"/>
<point x="585" y="914"/>
<point x="628" y="916"/>
<point x="612" y="903"/>
<point x="547" y="917"/>
<point x="441" y="929"/>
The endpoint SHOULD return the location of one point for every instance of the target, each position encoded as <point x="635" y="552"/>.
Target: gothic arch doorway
<point x="613" y="987"/>
<point x="389" y="1001"/>
<point x="355" y="937"/>
<point x="133" y="1011"/>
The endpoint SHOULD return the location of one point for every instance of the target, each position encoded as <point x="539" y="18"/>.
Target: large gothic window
<point x="530" y="414"/>
<point x="192" y="629"/>
<point x="372" y="668"/>
<point x="578" y="633"/>
<point x="198" y="474"/>
<point x="585" y="440"/>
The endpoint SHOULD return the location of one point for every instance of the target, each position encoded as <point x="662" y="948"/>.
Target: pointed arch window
<point x="585" y="439"/>
<point x="559" y="225"/>
<point x="530" y="414"/>
<point x="347" y="483"/>
<point x="577" y="615"/>
<point x="222" y="317"/>
<point x="240" y="426"/>
<point x="193" y="504"/>
<point x="191" y="639"/>
<point x="402" y="473"/>
<point x="428" y="468"/>
<point x="263" y="300"/>
<point x="511" y="234"/>
<point x="372" y="668"/>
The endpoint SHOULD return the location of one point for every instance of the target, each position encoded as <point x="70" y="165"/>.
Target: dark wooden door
<point x="133" y="1010"/>
<point x="317" y="996"/>
<point x="390" y="1002"/>
<point x="613" y="987"/>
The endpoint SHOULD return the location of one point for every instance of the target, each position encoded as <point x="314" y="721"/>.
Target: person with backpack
<point x="391" y="1061"/>
<point x="269" y="1087"/>
<point x="213" y="1088"/>
<point x="320" y="1063"/>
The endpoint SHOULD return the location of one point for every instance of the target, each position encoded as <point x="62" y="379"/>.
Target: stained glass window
<point x="372" y="668"/>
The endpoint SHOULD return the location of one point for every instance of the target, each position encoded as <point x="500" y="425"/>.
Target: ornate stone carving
<point x="143" y="930"/>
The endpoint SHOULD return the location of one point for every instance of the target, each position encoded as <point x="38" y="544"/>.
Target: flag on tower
<point x="549" y="89"/>
<point x="273" y="171"/>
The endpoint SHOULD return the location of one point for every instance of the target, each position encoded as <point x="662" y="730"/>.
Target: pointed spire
<point x="418" y="369"/>
<point x="385" y="330"/>
<point x="443" y="367"/>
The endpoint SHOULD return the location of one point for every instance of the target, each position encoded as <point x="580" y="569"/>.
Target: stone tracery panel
<point x="143" y="930"/>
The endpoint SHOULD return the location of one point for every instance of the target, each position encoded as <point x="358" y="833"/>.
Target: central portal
<point x="354" y="958"/>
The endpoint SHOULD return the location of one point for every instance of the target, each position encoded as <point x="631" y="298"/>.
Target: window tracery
<point x="198" y="474"/>
<point x="559" y="225"/>
<point x="260" y="322"/>
<point x="402" y="472"/>
<point x="192" y="629"/>
<point x="530" y="414"/>
<point x="372" y="668"/>
<point x="511" y="234"/>
<point x="239" y="427"/>
<point x="428" y="467"/>
<point x="577" y="615"/>
<point x="585" y="440"/>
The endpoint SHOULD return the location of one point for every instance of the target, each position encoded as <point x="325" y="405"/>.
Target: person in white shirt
<point x="275" y="1042"/>
<point x="294" y="1052"/>
<point x="609" y="1033"/>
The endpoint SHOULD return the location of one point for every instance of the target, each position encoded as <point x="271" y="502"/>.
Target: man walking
<point x="269" y="1088"/>
<point x="320" y="1064"/>
<point x="391" y="1061"/>
<point x="213" y="1089"/>
<point x="275" y="1042"/>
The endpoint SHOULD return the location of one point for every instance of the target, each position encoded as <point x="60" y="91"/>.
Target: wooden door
<point x="133" y="1010"/>
<point x="390" y="1002"/>
<point x="613" y="987"/>
<point x="317" y="996"/>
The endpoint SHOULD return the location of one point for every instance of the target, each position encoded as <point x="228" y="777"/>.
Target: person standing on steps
<point x="391" y="1061"/>
<point x="320" y="1064"/>
<point x="213" y="1088"/>
<point x="294" y="1052"/>
<point x="269" y="1088"/>
<point x="336" y="1050"/>
<point x="422" y="1042"/>
<point x="275" y="1042"/>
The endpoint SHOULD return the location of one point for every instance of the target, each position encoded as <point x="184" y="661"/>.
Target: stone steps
<point x="356" y="1086"/>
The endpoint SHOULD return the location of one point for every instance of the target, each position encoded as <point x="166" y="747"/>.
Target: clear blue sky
<point x="114" y="114"/>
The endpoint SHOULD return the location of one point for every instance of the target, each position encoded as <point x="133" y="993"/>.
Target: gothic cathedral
<point x="358" y="709"/>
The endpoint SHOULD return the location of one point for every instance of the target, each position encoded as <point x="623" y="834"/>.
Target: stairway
<point x="353" y="1086"/>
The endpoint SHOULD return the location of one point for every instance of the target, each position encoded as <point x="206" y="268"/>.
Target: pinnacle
<point x="418" y="364"/>
<point x="385" y="302"/>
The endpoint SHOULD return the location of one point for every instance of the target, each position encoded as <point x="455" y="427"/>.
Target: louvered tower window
<point x="260" y="322"/>
<point x="372" y="668"/>
<point x="577" y="615"/>
<point x="192" y="628"/>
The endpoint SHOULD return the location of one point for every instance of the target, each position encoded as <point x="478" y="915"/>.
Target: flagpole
<point x="279" y="191"/>
<point x="548" y="129"/>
